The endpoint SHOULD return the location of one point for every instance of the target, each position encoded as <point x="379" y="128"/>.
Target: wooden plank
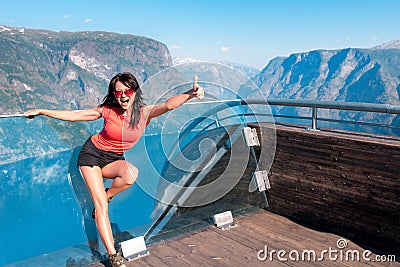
<point x="200" y="245"/>
<point x="225" y="251"/>
<point x="150" y="260"/>
<point x="253" y="240"/>
<point x="177" y="254"/>
<point x="287" y="238"/>
<point x="312" y="240"/>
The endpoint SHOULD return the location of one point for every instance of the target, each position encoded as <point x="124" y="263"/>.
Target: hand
<point x="30" y="114"/>
<point x="197" y="89"/>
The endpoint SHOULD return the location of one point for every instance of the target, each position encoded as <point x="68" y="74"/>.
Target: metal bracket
<point x="262" y="181"/>
<point x="251" y="137"/>
<point x="224" y="220"/>
<point x="134" y="248"/>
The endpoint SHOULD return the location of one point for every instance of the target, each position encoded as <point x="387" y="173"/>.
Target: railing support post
<point x="314" y="120"/>
<point x="217" y="124"/>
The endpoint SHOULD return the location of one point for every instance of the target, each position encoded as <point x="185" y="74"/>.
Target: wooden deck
<point x="344" y="182"/>
<point x="240" y="246"/>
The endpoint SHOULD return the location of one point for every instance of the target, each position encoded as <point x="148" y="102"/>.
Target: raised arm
<point x="174" y="102"/>
<point x="67" y="115"/>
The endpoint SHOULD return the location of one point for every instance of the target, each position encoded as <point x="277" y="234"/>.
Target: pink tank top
<point x="117" y="136"/>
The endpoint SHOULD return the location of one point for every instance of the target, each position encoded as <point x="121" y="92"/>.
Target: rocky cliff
<point x="69" y="70"/>
<point x="350" y="75"/>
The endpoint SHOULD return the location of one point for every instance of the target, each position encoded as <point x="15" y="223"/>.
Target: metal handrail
<point x="318" y="104"/>
<point x="315" y="104"/>
<point x="356" y="106"/>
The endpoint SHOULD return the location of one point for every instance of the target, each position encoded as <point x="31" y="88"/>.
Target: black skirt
<point x="91" y="156"/>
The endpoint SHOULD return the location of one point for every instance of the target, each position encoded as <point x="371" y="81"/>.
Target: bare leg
<point x="123" y="173"/>
<point x="94" y="181"/>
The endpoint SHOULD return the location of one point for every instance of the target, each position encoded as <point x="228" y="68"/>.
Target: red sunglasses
<point x="128" y="93"/>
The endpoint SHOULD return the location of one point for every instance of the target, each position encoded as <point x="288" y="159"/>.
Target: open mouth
<point x="125" y="101"/>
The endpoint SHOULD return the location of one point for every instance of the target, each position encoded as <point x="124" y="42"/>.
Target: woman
<point x="125" y="118"/>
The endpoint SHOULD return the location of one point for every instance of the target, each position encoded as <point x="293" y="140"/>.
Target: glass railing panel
<point x="45" y="205"/>
<point x="201" y="171"/>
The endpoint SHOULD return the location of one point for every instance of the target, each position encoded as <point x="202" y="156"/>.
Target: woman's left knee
<point x="132" y="175"/>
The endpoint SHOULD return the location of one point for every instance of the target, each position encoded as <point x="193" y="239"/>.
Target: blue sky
<point x="250" y="32"/>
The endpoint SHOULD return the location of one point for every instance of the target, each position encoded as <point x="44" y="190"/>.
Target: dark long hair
<point x="129" y="81"/>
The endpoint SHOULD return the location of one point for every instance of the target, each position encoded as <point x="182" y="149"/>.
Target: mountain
<point x="248" y="71"/>
<point x="350" y="75"/>
<point x="63" y="70"/>
<point x="52" y="69"/>
<point x="184" y="60"/>
<point x="389" y="45"/>
<point x="245" y="69"/>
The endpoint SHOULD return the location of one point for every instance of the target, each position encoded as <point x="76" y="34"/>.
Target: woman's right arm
<point x="67" y="115"/>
